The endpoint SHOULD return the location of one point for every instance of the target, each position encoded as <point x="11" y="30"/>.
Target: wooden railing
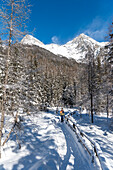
<point x="93" y="148"/>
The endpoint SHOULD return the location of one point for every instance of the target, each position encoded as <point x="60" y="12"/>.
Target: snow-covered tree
<point x="13" y="14"/>
<point x="109" y="63"/>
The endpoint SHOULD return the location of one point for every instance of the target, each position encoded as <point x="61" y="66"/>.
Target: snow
<point x="76" y="48"/>
<point x="29" y="39"/>
<point x="101" y="133"/>
<point x="46" y="143"/>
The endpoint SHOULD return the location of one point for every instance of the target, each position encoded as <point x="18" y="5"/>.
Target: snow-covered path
<point x="75" y="158"/>
<point x="47" y="144"/>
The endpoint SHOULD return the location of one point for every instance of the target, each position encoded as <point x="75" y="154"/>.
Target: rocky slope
<point x="76" y="48"/>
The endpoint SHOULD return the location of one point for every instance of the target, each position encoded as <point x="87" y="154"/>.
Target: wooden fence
<point x="92" y="148"/>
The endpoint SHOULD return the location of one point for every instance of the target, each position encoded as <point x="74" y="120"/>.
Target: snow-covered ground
<point x="48" y="144"/>
<point x="101" y="132"/>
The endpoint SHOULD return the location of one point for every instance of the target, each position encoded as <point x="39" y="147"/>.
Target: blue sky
<point x="59" y="21"/>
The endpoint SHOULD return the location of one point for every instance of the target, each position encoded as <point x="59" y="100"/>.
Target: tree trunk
<point x="91" y="108"/>
<point x="107" y="106"/>
<point x="6" y="79"/>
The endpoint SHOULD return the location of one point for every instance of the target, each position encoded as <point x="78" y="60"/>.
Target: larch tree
<point x="91" y="80"/>
<point x="109" y="60"/>
<point x="13" y="15"/>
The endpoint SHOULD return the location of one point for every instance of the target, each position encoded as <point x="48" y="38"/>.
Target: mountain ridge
<point x="76" y="48"/>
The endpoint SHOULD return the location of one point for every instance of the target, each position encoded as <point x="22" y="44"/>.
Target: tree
<point x="109" y="61"/>
<point x="13" y="14"/>
<point x="91" y="80"/>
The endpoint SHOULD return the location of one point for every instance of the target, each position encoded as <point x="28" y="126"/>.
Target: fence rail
<point x="93" y="148"/>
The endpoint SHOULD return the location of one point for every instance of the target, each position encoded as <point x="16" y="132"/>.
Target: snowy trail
<point x="74" y="158"/>
<point x="68" y="154"/>
<point x="47" y="145"/>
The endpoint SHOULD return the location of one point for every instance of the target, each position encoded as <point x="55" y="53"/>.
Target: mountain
<point x="76" y="48"/>
<point x="30" y="40"/>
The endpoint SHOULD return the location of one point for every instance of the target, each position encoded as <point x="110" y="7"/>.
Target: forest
<point x="38" y="78"/>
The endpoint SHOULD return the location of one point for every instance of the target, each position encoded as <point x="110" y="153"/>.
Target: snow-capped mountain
<point x="76" y="49"/>
<point x="30" y="40"/>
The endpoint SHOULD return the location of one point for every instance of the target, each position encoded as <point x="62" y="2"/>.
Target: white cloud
<point x="97" y="29"/>
<point x="55" y="40"/>
<point x="98" y="35"/>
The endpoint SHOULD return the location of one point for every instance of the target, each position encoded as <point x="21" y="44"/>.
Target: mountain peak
<point x="76" y="48"/>
<point x="83" y="35"/>
<point x="29" y="39"/>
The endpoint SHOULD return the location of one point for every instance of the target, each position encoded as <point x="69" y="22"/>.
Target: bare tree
<point x="91" y="81"/>
<point x="109" y="61"/>
<point x="13" y="14"/>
